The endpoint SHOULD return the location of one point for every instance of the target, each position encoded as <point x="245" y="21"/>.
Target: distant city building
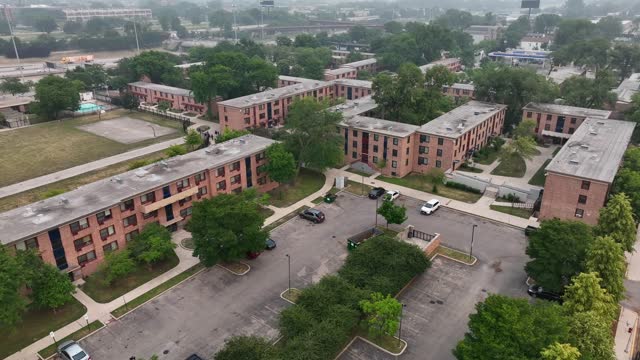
<point x="626" y="90"/>
<point x="483" y="32"/>
<point x="579" y="178"/>
<point x="535" y="42"/>
<point x="459" y="91"/>
<point x="560" y="74"/>
<point x="86" y="14"/>
<point x="557" y="122"/>
<point x="179" y="98"/>
<point x="453" y="64"/>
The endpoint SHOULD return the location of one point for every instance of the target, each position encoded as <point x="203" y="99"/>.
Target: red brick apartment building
<point x="179" y="98"/>
<point x="445" y="142"/>
<point x="370" y="65"/>
<point x="350" y="89"/>
<point x="340" y="73"/>
<point x="339" y="57"/>
<point x="579" y="177"/>
<point x="459" y="91"/>
<point x="73" y="231"/>
<point x="557" y="122"/>
<point x="453" y="64"/>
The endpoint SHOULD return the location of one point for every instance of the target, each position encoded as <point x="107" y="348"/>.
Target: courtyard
<point x="57" y="145"/>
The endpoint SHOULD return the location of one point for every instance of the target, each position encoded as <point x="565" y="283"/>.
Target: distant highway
<point x="39" y="69"/>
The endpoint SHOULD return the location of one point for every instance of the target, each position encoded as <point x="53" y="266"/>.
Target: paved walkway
<point x="98" y="164"/>
<point x="624" y="341"/>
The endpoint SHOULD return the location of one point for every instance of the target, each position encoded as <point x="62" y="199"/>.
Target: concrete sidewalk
<point x="624" y="339"/>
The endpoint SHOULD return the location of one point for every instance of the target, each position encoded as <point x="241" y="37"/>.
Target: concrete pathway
<point x="98" y="164"/>
<point x="624" y="339"/>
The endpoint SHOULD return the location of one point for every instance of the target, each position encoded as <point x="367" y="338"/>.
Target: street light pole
<point x="400" y="328"/>
<point x="86" y="318"/>
<point x="376" y="213"/>
<point x="53" y="336"/>
<point x="473" y="230"/>
<point x="289" y="288"/>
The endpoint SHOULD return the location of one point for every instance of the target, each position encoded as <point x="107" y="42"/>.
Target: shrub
<point x="139" y="163"/>
<point x="295" y="321"/>
<point x="53" y="192"/>
<point x="456" y="185"/>
<point x="175" y="150"/>
<point x="436" y="176"/>
<point x="330" y="290"/>
<point x="117" y="264"/>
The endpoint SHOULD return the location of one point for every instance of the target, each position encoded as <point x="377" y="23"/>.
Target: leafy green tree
<point x="631" y="160"/>
<point x="227" y="227"/>
<point x="92" y="76"/>
<point x="591" y="335"/>
<point x="627" y="181"/>
<point x="96" y="26"/>
<point x="192" y="140"/>
<point x="558" y="252"/>
<point x="51" y="288"/>
<point x="72" y="27"/>
<point x="606" y="258"/>
<point x="625" y="58"/>
<point x="516" y="31"/>
<point x="305" y="40"/>
<point x="311" y="134"/>
<point x="45" y="24"/>
<point x="609" y="27"/>
<point x="164" y="105"/>
<point x="616" y="220"/>
<point x="523" y="146"/>
<point x="557" y="351"/>
<point x="117" y="264"/>
<point x="546" y="23"/>
<point x="175" y="150"/>
<point x="526" y="128"/>
<point x="383" y="314"/>
<point x="310" y="63"/>
<point x="321" y="298"/>
<point x="230" y="134"/>
<point x="590" y="93"/>
<point x="129" y="101"/>
<point x="585" y="294"/>
<point x="393" y="27"/>
<point x="281" y="165"/>
<point x="208" y="83"/>
<point x="152" y="244"/>
<point x="509" y="328"/>
<point x="295" y="321"/>
<point x="573" y="30"/>
<point x="392" y="213"/>
<point x="14" y="86"/>
<point x="158" y="66"/>
<point x="11" y="281"/>
<point x="455" y="19"/>
<point x="284" y="41"/>
<point x="246" y="348"/>
<point x="55" y="94"/>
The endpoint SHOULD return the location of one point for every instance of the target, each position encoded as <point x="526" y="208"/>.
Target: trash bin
<point x="351" y="245"/>
<point x="329" y="198"/>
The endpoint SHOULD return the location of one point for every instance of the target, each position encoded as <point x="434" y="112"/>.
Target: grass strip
<point x="519" y="212"/>
<point x="285" y="218"/>
<point x="86" y="330"/>
<point x="456" y="254"/>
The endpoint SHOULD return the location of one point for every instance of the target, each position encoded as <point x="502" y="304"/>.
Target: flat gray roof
<point x="385" y="127"/>
<point x="628" y="88"/>
<point x="342" y="70"/>
<point x="9" y="100"/>
<point x="443" y="62"/>
<point x="462" y="86"/>
<point x="36" y="218"/>
<point x="163" y="88"/>
<point x="594" y="151"/>
<point x="360" y="63"/>
<point x="355" y="107"/>
<point x="294" y="78"/>
<point x="274" y="94"/>
<point x="567" y="110"/>
<point x="353" y="82"/>
<point x="560" y="74"/>
<point x="458" y="121"/>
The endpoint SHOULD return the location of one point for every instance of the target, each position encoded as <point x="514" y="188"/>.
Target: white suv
<point x="430" y="207"/>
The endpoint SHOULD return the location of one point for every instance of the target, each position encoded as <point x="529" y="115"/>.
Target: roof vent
<point x="117" y="179"/>
<point x="390" y="127"/>
<point x="600" y="122"/>
<point x="164" y="164"/>
<point x="574" y="162"/>
<point x="64" y="200"/>
<point x="584" y="146"/>
<point x="242" y="141"/>
<point x="208" y="151"/>
<point x="476" y="113"/>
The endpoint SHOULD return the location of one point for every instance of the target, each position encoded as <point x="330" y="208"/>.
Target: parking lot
<point x="198" y="315"/>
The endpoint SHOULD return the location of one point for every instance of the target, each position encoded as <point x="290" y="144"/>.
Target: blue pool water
<point x="88" y="107"/>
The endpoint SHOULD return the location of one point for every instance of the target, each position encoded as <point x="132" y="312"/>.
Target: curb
<point x="235" y="273"/>
<point x="287" y="300"/>
<point x="82" y="338"/>
<point x="475" y="259"/>
<point x="383" y="349"/>
<point x="484" y="217"/>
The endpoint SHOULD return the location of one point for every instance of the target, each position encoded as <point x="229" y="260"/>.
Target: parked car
<point x="312" y="215"/>
<point x="430" y="207"/>
<point x="376" y="192"/>
<point x="194" y="357"/>
<point x="391" y="195"/>
<point x="270" y="244"/>
<point x="530" y="230"/>
<point x="253" y="255"/>
<point x="537" y="291"/>
<point x="71" y="350"/>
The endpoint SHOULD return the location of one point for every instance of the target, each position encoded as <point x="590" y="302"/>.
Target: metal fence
<point x="420" y="235"/>
<point x="166" y="114"/>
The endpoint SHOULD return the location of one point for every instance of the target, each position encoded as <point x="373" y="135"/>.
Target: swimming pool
<point x="88" y="107"/>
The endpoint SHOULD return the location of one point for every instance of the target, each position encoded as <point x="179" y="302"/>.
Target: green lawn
<point x="538" y="178"/>
<point x="456" y="254"/>
<point x="86" y="330"/>
<point x="292" y="294"/>
<point x="94" y="285"/>
<point x="488" y="158"/>
<point x="423" y="183"/>
<point x="57" y="145"/>
<point x="470" y="169"/>
<point x="357" y="188"/>
<point x="523" y="213"/>
<point x="37" y="324"/>
<point x="306" y="183"/>
<point x="358" y="172"/>
<point x="131" y="304"/>
<point x="265" y="211"/>
<point x="512" y="166"/>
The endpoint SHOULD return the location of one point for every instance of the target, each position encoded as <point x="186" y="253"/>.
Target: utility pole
<point x="7" y="15"/>
<point x="473" y="230"/>
<point x="289" y="288"/>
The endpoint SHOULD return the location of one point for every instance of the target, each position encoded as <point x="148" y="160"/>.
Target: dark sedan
<point x="537" y="291"/>
<point x="270" y="244"/>
<point x="376" y="192"/>
<point x="313" y="215"/>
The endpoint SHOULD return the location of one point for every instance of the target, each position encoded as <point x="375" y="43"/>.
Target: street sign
<point x="530" y="4"/>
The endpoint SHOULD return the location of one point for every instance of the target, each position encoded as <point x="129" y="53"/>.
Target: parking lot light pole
<point x="86" y="318"/>
<point x="376" y="213"/>
<point x="289" y="288"/>
<point x="400" y="328"/>
<point x="53" y="336"/>
<point x="473" y="229"/>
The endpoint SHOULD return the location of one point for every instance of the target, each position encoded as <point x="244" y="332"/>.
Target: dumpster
<point x="354" y="241"/>
<point x="329" y="198"/>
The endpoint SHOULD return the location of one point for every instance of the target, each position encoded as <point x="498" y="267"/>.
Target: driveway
<point x="198" y="315"/>
<point x="438" y="302"/>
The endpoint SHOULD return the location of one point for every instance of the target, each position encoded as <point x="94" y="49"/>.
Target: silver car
<point x="71" y="350"/>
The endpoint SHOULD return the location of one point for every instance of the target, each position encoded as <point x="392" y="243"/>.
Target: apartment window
<point x="574" y="120"/>
<point x="262" y="116"/>
<point x="394" y="164"/>
<point x="127" y="205"/>
<point x="375" y="159"/>
<point x="579" y="213"/>
<point x="261" y="156"/>
<point x="130" y="235"/>
<point x="262" y="180"/>
<point x="395" y="141"/>
<point x="585" y="185"/>
<point x="407" y="151"/>
<point x="246" y="111"/>
<point x="110" y="247"/>
<point x="438" y="163"/>
<point x="222" y="185"/>
<point x="185" y="200"/>
<point x="409" y="140"/>
<point x="355" y="144"/>
<point x="148" y="197"/>
<point x="130" y="221"/>
<point x="424" y="138"/>
<point x="261" y="107"/>
<point x="85" y="258"/>
<point x="438" y="152"/>
<point x="406" y="162"/>
<point x="376" y="137"/>
<point x="548" y="117"/>
<point x="220" y="171"/>
<point x="184" y="183"/>
<point x="149" y="215"/>
<point x="247" y="121"/>
<point x="203" y="190"/>
<point x="235" y="166"/>
<point x="582" y="199"/>
<point x="79" y="225"/>
<point x="440" y="141"/>
<point x="226" y="118"/>
<point x="276" y="111"/>
<point x="186" y="212"/>
<point x="355" y="132"/>
<point x="529" y="114"/>
<point x="354" y="155"/>
<point x="82" y="242"/>
<point x="235" y="179"/>
<point x="423" y="160"/>
<point x="201" y="177"/>
<point x="106" y="232"/>
<point x="375" y="148"/>
<point x="27" y="244"/>
<point x="547" y="127"/>
<point x="571" y="130"/>
<point x="423" y="150"/>
<point x="103" y="216"/>
<point x="394" y="152"/>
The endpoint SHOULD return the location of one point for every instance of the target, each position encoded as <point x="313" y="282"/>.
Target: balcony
<point x="172" y="221"/>
<point x="170" y="200"/>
